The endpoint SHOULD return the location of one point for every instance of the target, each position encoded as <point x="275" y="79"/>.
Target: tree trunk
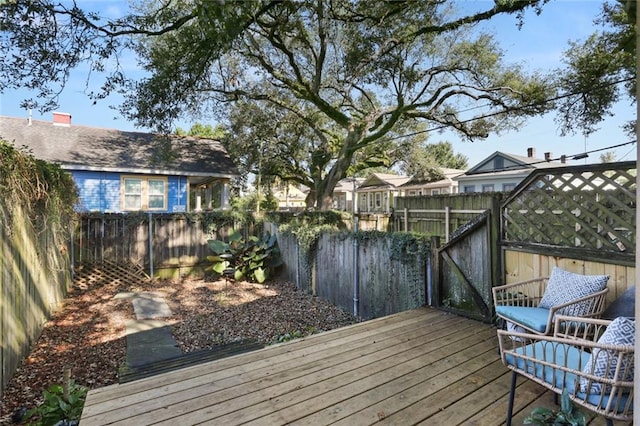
<point x="324" y="195"/>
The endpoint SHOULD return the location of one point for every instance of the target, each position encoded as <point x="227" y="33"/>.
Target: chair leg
<point x="512" y="395"/>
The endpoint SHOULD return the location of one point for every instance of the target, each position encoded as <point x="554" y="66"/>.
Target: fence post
<point x="433" y="279"/>
<point x="447" y="223"/>
<point x="102" y="225"/>
<point x="150" y="246"/>
<point x="406" y="219"/>
<point x="73" y="251"/>
<point x="495" y="232"/>
<point x="356" y="276"/>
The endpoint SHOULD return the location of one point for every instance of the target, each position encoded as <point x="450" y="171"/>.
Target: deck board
<point x="417" y="366"/>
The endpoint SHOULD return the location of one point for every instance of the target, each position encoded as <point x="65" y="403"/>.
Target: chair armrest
<point x="587" y="306"/>
<point x="522" y="293"/>
<point x="579" y="328"/>
<point x="560" y="363"/>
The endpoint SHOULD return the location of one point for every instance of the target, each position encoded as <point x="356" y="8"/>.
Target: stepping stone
<point x="149" y="341"/>
<point x="149" y="305"/>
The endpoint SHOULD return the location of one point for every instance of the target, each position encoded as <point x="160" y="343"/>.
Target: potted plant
<point x="567" y="415"/>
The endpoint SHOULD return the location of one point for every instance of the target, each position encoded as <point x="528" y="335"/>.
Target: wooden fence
<point x="34" y="279"/>
<point x="441" y="215"/>
<point x="371" y="277"/>
<point x="580" y="218"/>
<point x="164" y="244"/>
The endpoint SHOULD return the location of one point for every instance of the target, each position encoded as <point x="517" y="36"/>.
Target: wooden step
<point x="128" y="374"/>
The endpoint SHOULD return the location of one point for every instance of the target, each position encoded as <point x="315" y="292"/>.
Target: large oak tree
<point x="601" y="70"/>
<point x="348" y="75"/>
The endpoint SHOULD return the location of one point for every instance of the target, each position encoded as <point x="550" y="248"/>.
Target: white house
<point x="290" y="197"/>
<point x="502" y="172"/>
<point x="376" y="193"/>
<point x="344" y="194"/>
<point x="417" y="186"/>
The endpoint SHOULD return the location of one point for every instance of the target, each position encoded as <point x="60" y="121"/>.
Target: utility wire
<point x="568" y="157"/>
<point x="504" y="111"/>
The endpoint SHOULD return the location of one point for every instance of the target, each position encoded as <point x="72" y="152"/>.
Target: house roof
<point x="346" y="185"/>
<point x="519" y="164"/>
<point x="449" y="175"/>
<point x="383" y="180"/>
<point x="107" y="150"/>
<point x="292" y="192"/>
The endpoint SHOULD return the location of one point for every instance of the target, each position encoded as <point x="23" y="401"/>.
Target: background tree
<point x="202" y="131"/>
<point x="600" y="71"/>
<point x="350" y="72"/>
<point x="425" y="160"/>
<point x="608" y="157"/>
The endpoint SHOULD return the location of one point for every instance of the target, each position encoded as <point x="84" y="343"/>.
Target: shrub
<point x="59" y="406"/>
<point x="254" y="259"/>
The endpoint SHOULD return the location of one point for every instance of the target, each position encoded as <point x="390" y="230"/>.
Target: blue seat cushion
<point x="564" y="355"/>
<point x="531" y="318"/>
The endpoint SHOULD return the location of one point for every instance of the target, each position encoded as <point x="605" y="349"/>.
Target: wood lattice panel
<point x="97" y="274"/>
<point x="591" y="208"/>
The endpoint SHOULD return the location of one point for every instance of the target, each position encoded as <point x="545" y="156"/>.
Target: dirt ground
<point x="87" y="334"/>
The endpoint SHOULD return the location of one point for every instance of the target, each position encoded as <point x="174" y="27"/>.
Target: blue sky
<point x="538" y="45"/>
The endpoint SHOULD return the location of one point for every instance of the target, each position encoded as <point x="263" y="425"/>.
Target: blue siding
<point x="100" y="192"/>
<point x="178" y="193"/>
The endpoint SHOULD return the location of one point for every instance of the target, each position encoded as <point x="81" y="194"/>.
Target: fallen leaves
<point x="87" y="335"/>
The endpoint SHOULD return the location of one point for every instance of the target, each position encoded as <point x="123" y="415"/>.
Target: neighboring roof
<point x="383" y="180"/>
<point x="89" y="148"/>
<point x="519" y="164"/>
<point x="346" y="185"/>
<point x="449" y="175"/>
<point x="292" y="193"/>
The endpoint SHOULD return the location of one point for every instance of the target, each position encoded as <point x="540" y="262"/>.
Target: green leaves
<point x="600" y="71"/>
<point x="256" y="258"/>
<point x="567" y="415"/>
<point x="56" y="408"/>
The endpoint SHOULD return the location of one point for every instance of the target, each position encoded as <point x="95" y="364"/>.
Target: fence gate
<point x="467" y="267"/>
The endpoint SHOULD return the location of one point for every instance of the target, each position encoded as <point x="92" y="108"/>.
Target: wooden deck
<point x="417" y="367"/>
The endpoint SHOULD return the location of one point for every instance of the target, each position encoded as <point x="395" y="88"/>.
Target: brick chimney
<point x="547" y="156"/>
<point x="61" y="119"/>
<point x="531" y="152"/>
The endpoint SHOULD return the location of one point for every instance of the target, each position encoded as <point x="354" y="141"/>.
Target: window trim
<point x="509" y="186"/>
<point x="144" y="192"/>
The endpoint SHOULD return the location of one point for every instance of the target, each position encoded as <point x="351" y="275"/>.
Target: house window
<point x="378" y="200"/>
<point x="498" y="163"/>
<point x="469" y="188"/>
<point x="140" y="193"/>
<point x="487" y="188"/>
<point x="412" y="193"/>
<point x="435" y="192"/>
<point x="508" y="186"/>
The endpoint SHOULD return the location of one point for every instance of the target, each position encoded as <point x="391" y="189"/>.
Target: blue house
<point x="118" y="171"/>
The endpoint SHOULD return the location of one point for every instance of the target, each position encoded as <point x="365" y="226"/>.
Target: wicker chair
<point x="519" y="304"/>
<point x="579" y="357"/>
